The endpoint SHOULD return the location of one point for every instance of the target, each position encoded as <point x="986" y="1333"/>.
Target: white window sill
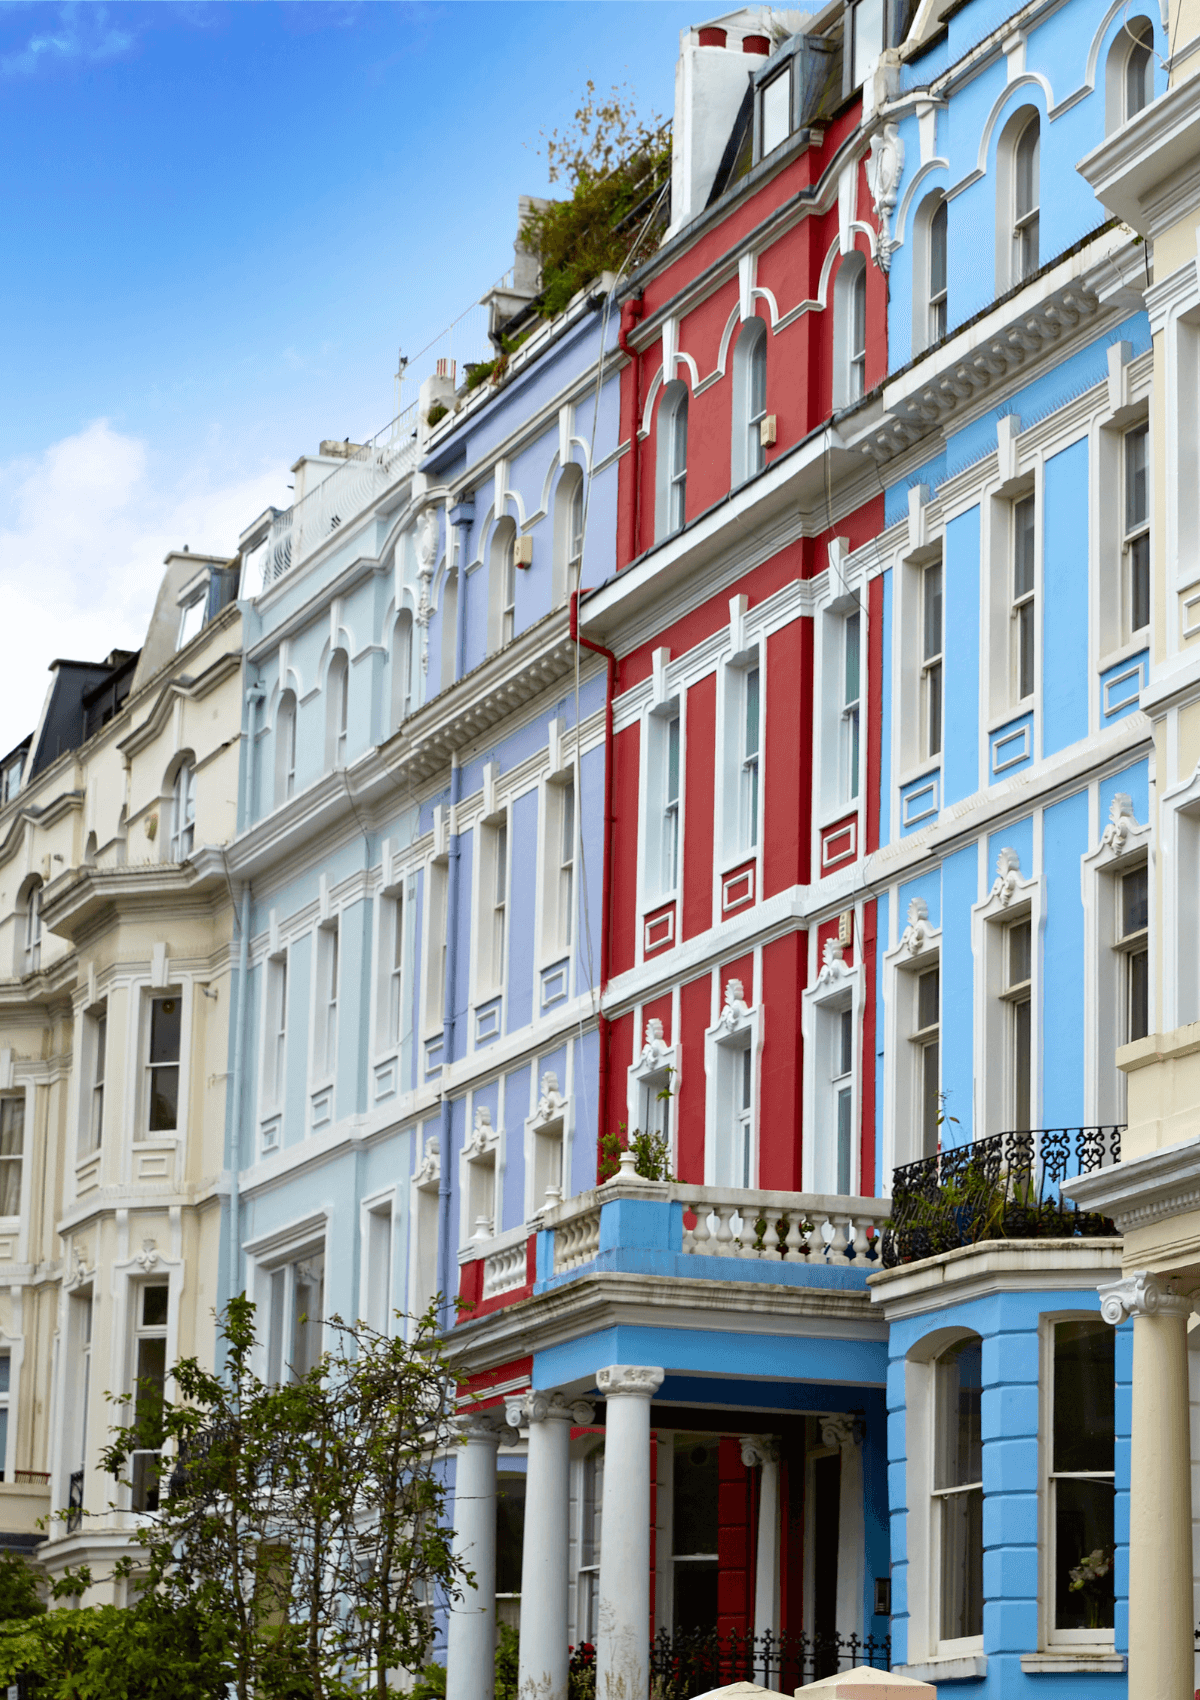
<point x="1097" y="1660"/>
<point x="1014" y="712"/>
<point x="961" y="1668"/>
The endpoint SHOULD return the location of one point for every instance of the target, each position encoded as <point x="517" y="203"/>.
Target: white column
<point x="542" y="1672"/>
<point x="761" y="1452"/>
<point x="1160" y="1520"/>
<point x="846" y="1434"/>
<point x="623" y="1650"/>
<point x="471" y="1640"/>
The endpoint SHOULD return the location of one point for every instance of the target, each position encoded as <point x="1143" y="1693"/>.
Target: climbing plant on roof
<point x="617" y="166"/>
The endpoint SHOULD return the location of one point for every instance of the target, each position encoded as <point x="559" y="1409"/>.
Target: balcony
<point x="1006" y="1187"/>
<point x="670" y="1228"/>
<point x="342" y="496"/>
<point x="694" y="1663"/>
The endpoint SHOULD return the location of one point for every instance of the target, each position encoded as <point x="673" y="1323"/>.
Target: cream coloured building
<point x="116" y="922"/>
<point x="1148" y="174"/>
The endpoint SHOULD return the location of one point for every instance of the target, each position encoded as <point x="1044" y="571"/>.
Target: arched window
<point x="502" y="585"/>
<point x="285" y="748"/>
<point x="183" y="812"/>
<point x="933" y="225"/>
<point x="32" y="946"/>
<point x="671" y="504"/>
<point x="850" y="330"/>
<point x="1026" y="200"/>
<point x="958" y="1489"/>
<point x="749" y="401"/>
<point x="337" y="709"/>
<point x="568" y="533"/>
<point x="402" y="646"/>
<point x="449" y="628"/>
<point x="1129" y="73"/>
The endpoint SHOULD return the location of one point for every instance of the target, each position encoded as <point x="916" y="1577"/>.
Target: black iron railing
<point x="694" y="1662"/>
<point x="75" y="1502"/>
<point x="1007" y="1187"/>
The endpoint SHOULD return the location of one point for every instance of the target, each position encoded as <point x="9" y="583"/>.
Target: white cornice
<point x="1148" y="172"/>
<point x="1144" y="1189"/>
<point x="991" y="1268"/>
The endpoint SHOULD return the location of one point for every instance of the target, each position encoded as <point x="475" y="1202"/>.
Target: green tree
<point x="300" y="1535"/>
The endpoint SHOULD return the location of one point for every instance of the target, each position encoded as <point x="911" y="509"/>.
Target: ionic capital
<point x="1141" y="1294"/>
<point x="482" y="1428"/>
<point x="543" y="1407"/>
<point x="840" y="1431"/>
<point x="759" y="1449"/>
<point x="629" y="1381"/>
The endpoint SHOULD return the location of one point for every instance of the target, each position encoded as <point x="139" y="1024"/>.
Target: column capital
<point x="1141" y="1294"/>
<point x="486" y="1427"/>
<point x="759" y="1449"/>
<point x="638" y="1381"/>
<point x="541" y="1407"/>
<point x="841" y="1431"/>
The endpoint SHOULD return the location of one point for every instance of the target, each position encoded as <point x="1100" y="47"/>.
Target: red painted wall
<point x="623" y="873"/>
<point x="695" y="1015"/>
<point x="787" y="758"/>
<point x="780" y="1122"/>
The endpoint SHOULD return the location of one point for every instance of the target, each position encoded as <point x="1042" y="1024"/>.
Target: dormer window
<point x="191" y="619"/>
<point x="775" y="110"/>
<point x="865" y="29"/>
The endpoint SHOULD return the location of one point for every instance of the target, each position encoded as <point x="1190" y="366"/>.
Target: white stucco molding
<point x="1144" y="1189"/>
<point x="542" y="1407"/>
<point x="639" y="1381"/>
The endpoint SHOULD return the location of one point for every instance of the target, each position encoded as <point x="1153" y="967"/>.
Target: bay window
<point x="958" y="1493"/>
<point x="164" y="1035"/>
<point x="1081" y="1481"/>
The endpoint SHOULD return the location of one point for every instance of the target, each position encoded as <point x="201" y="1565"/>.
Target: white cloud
<point x="83" y="532"/>
<point x="79" y="34"/>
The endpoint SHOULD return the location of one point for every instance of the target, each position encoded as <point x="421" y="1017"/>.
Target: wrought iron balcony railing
<point x="697" y="1661"/>
<point x="1006" y="1187"/>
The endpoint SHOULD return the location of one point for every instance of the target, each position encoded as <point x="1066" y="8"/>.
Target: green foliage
<point x="581" y="1672"/>
<point x="618" y="166"/>
<point x="436" y="414"/>
<point x="19" y="1597"/>
<point x="430" y="1683"/>
<point x="652" y="1154"/>
<point x="508" y="1660"/>
<point x="106" y="1653"/>
<point x="299" y="1529"/>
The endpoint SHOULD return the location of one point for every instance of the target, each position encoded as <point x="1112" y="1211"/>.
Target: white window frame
<point x="918" y="950"/>
<point x="423" y="1234"/>
<point x="1024" y="600"/>
<point x="961" y="1646"/>
<point x="1135" y="532"/>
<point x="402" y="668"/>
<point x="748" y="455"/>
<point x="732" y="1047"/>
<point x="337" y="708"/>
<point x="933" y="694"/>
<point x="568" y="532"/>
<point x="548" y="1144"/>
<point x="849" y="335"/>
<point x="834" y="990"/>
<point x="19" y="1095"/>
<point x="310" y="1267"/>
<point x="141" y="1331"/>
<point x="275" y="1020"/>
<point x="663" y="813"/>
<point x="670" y="450"/>
<point x="1013" y="221"/>
<point x="191" y="616"/>
<point x="31" y="950"/>
<point x="378" y="1227"/>
<point x="150" y="996"/>
<point x="327" y="963"/>
<point x="741" y="789"/>
<point x="1013" y="897"/>
<point x="285" y="747"/>
<point x="502" y="583"/>
<point x="183" y="811"/>
<point x="493" y="859"/>
<point x="436" y="886"/>
<point x="653" y="1085"/>
<point x="1051" y="1637"/>
<point x="480" y="1178"/>
<point x="1123" y="845"/>
<point x="1126" y="42"/>
<point x="94" y="1035"/>
<point x="560" y="858"/>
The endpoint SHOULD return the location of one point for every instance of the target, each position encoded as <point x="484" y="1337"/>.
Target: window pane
<point x="934" y="688"/>
<point x="10" y="1187"/>
<point x="12" y="1127"/>
<point x="679" y="426"/>
<point x="927" y="999"/>
<point x="510" y="1532"/>
<point x="1134" y="901"/>
<point x="164" y="1030"/>
<point x="5" y="1378"/>
<point x="154" y="1307"/>
<point x="845" y="1041"/>
<point x="164" y="1099"/>
<point x="752" y="711"/>
<point x="959" y="1460"/>
<point x="1139" y="82"/>
<point x="937" y="252"/>
<point x="1027" y="169"/>
<point x="859" y="322"/>
<point x="868" y="37"/>
<point x="852" y="659"/>
<point x="673" y="759"/>
<point x="1023" y="540"/>
<point x="1084" y="1376"/>
<point x="758" y="376"/>
<point x="933" y="612"/>
<point x="1083" y="1549"/>
<point x="1139" y="582"/>
<point x="696" y="1481"/>
<point x="930" y="1102"/>
<point x="776" y="113"/>
<point x="962" y="1565"/>
<point x="1022" y="1099"/>
<point x="1136" y="507"/>
<point x="1139" y="995"/>
<point x="844" y="1104"/>
<point x="1025" y="651"/>
<point x="1020" y="939"/>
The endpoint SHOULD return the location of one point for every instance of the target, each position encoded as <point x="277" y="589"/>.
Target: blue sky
<point x="221" y="222"/>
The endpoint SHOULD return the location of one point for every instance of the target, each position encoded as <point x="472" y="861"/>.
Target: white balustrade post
<point x="471" y="1638"/>
<point x="542" y="1671"/>
<point x="623" y="1650"/>
<point x="760" y="1451"/>
<point x="1160" y="1506"/>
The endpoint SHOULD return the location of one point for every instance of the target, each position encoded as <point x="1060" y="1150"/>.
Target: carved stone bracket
<point x="916" y="935"/>
<point x="833" y="963"/>
<point x="654" y="1051"/>
<point x="1008" y="877"/>
<point x="1121" y="823"/>
<point x="885" y="167"/>
<point x="734" y="1010"/>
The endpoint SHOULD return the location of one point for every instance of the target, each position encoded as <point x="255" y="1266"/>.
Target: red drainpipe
<point x="603" y="1028"/>
<point x="627" y="541"/>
